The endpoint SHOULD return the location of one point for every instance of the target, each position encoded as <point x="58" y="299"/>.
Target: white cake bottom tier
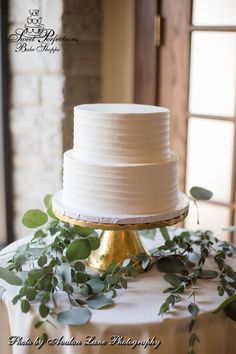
<point x="120" y="189"/>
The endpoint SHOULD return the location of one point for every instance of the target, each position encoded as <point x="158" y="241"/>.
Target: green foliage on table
<point x="53" y="262"/>
<point x="57" y="265"/>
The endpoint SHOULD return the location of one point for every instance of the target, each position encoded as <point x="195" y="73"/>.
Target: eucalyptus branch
<point x="59" y="266"/>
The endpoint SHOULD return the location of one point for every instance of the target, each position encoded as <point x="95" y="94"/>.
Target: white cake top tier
<point x="121" y="133"/>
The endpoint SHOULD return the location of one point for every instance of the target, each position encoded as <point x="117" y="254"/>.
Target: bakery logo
<point x="34" y="27"/>
<point x="34" y="37"/>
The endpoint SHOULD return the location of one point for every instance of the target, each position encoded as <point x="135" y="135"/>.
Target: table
<point x="134" y="315"/>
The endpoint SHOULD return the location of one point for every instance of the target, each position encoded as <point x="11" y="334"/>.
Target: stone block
<point x="52" y="90"/>
<point x="25" y="90"/>
<point x="34" y="62"/>
<point x="52" y="11"/>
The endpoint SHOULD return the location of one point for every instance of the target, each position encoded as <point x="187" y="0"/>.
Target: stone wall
<point x="36" y="112"/>
<point x="81" y="63"/>
<point x="44" y="89"/>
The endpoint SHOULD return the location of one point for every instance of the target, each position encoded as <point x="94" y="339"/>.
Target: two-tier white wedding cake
<point x="121" y="164"/>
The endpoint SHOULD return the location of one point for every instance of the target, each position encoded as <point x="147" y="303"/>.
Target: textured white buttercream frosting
<point x="121" y="133"/>
<point x="121" y="163"/>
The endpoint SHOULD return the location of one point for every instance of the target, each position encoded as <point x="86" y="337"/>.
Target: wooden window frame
<point x="169" y="65"/>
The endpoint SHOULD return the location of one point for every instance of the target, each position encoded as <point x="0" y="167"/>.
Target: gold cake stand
<point x="118" y="241"/>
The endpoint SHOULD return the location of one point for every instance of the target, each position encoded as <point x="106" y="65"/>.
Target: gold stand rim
<point x="112" y="227"/>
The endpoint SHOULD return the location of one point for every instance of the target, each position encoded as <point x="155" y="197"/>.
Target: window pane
<point x="212" y="217"/>
<point x="213" y="72"/>
<point x="210" y="155"/>
<point x="214" y="12"/>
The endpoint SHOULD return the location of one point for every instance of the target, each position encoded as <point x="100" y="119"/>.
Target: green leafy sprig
<point x="183" y="271"/>
<point x="53" y="261"/>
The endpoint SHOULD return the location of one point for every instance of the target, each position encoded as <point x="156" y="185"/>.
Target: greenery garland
<point x="43" y="268"/>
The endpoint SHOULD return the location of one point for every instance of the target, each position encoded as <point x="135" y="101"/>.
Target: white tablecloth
<point x="134" y="315"/>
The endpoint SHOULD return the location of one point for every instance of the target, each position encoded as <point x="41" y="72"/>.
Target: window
<point x="211" y="155"/>
<point x="195" y="78"/>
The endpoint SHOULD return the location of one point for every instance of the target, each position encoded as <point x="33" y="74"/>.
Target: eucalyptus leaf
<point x="164" y="308"/>
<point x="42" y="260"/>
<point x="145" y="263"/>
<point x="83" y="231"/>
<point x="35" y="274"/>
<point x="35" y="251"/>
<point x="126" y="262"/>
<point x="94" y="242"/>
<point x="207" y="274"/>
<point x="170" y="264"/>
<point x="110" y="294"/>
<point x="44" y="337"/>
<point x="81" y="277"/>
<point x="47" y="200"/>
<point x="85" y="290"/>
<point x="43" y="310"/>
<point x="193" y="309"/>
<point x="113" y="279"/>
<point x="31" y="294"/>
<point x="45" y="297"/>
<point x="173" y="279"/>
<point x="225" y="303"/>
<point x="34" y="218"/>
<point x="220" y="290"/>
<point x="22" y="248"/>
<point x="78" y="249"/>
<point x="51" y="213"/>
<point x="99" y="302"/>
<point x="79" y="266"/>
<point x="10" y="277"/>
<point x="200" y="193"/>
<point x="48" y="204"/>
<point x="65" y="271"/>
<point x="192" y="339"/>
<point x="38" y="324"/>
<point x="74" y="316"/>
<point x="25" y="306"/>
<point x="230" y="310"/>
<point x="123" y="282"/>
<point x="170" y="300"/>
<point x="185" y="235"/>
<point x="39" y="234"/>
<point x="96" y="284"/>
<point x="20" y="259"/>
<point x="165" y="233"/>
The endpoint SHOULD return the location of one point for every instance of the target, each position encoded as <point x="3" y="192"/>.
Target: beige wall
<point x="118" y="51"/>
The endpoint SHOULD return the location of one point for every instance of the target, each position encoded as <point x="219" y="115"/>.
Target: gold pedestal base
<point x="115" y="246"/>
<point x="118" y="241"/>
